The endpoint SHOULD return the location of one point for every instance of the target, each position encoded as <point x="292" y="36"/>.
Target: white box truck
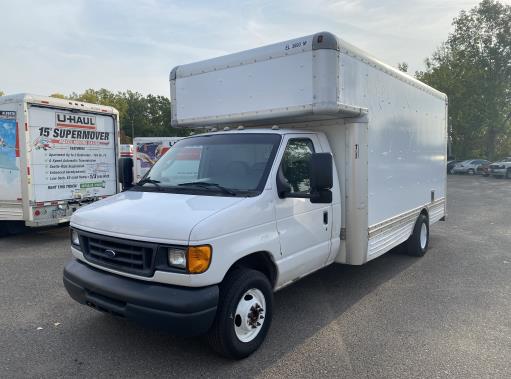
<point x="147" y="150"/>
<point x="126" y="150"/>
<point x="55" y="156"/>
<point x="317" y="154"/>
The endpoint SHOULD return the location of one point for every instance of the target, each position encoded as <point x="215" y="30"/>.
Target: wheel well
<point x="424" y="212"/>
<point x="260" y="261"/>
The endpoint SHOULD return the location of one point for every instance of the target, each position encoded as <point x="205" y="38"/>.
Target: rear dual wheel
<point x="244" y="314"/>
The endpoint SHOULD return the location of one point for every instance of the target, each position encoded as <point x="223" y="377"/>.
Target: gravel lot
<point x="445" y="315"/>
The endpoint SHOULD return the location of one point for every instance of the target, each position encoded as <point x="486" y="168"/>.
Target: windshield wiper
<point x="209" y="185"/>
<point x="150" y="181"/>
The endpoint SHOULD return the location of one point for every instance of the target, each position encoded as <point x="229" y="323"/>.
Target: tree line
<point x="473" y="67"/>
<point x="141" y="116"/>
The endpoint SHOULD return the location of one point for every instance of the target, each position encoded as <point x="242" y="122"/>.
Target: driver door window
<point x="296" y="164"/>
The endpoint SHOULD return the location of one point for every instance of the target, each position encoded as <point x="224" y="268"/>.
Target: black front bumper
<point x="180" y="310"/>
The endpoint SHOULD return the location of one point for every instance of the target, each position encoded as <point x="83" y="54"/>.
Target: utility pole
<point x="132" y="130"/>
<point x="449" y="138"/>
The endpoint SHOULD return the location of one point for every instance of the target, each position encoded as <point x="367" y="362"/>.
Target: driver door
<point x="304" y="228"/>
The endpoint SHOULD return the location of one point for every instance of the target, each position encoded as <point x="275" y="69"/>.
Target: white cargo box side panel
<point x="72" y="154"/>
<point x="406" y="141"/>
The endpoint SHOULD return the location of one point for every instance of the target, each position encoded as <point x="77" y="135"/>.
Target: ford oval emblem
<point x="110" y="253"/>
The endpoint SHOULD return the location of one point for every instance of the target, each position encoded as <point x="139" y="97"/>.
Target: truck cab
<point x="214" y="205"/>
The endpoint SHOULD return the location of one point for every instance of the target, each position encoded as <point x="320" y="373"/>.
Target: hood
<point x="150" y="215"/>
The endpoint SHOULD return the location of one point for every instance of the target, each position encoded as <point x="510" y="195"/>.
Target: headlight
<point x="195" y="259"/>
<point x="75" y="239"/>
<point x="177" y="257"/>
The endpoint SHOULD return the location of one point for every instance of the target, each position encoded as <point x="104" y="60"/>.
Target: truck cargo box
<point x="387" y="130"/>
<point x="56" y="156"/>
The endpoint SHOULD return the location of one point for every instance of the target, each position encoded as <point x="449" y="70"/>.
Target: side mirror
<point x="321" y="178"/>
<point x="125" y="169"/>
<point x="283" y="186"/>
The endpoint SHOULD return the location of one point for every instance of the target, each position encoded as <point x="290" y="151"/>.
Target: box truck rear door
<point x="72" y="154"/>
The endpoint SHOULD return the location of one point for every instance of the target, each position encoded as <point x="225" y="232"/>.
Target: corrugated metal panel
<point x="11" y="211"/>
<point x="390" y="238"/>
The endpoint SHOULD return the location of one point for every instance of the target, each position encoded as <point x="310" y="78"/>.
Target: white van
<point x="316" y="154"/>
<point x="56" y="155"/>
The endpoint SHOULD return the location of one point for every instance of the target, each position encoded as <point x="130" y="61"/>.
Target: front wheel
<point x="244" y="314"/>
<point x="418" y="243"/>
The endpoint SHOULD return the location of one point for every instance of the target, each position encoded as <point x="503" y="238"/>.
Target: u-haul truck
<point x="317" y="153"/>
<point x="147" y="150"/>
<point x="56" y="155"/>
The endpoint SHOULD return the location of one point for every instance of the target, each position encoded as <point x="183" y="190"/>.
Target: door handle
<point x="325" y="217"/>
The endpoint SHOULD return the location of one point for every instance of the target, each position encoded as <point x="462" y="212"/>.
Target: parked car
<point x="485" y="169"/>
<point x="501" y="168"/>
<point x="470" y="166"/>
<point x="451" y="164"/>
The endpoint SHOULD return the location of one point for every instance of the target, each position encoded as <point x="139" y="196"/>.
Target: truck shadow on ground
<point x="300" y="312"/>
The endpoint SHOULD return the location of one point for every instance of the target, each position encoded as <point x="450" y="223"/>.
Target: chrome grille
<point x="119" y="254"/>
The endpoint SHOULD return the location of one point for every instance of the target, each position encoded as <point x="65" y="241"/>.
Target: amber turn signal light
<point x="199" y="259"/>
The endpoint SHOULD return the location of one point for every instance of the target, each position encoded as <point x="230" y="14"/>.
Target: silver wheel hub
<point x="424" y="236"/>
<point x="249" y="316"/>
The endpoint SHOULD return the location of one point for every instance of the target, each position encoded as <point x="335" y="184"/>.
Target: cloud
<point x="65" y="46"/>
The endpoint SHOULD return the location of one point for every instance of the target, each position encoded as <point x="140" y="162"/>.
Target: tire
<point x="16" y="227"/>
<point x="417" y="244"/>
<point x="241" y="291"/>
<point x="471" y="171"/>
<point x="508" y="173"/>
<point x="3" y="229"/>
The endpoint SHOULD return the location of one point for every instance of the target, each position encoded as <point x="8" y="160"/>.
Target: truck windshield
<point x="220" y="164"/>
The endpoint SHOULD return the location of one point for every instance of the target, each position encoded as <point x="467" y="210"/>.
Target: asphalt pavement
<point x="447" y="314"/>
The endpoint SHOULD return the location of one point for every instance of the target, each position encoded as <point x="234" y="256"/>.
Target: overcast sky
<point x="64" y="46"/>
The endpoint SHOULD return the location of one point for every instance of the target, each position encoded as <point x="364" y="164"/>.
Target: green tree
<point x="473" y="68"/>
<point x="58" y="95"/>
<point x="2" y="93"/>
<point x="146" y="116"/>
<point x="403" y="66"/>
